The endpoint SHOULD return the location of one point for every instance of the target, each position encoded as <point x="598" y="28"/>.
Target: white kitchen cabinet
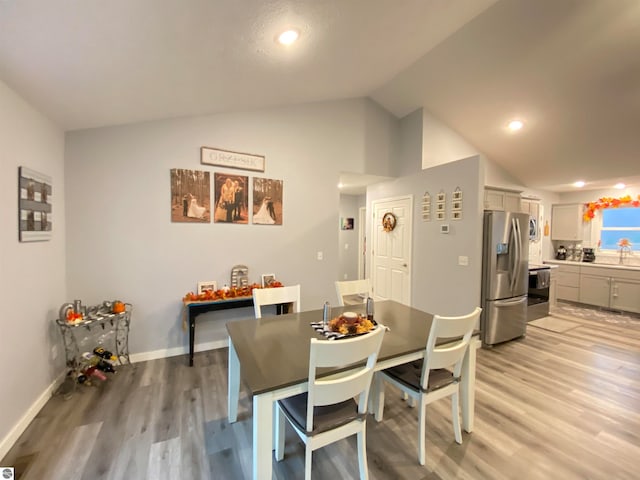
<point x="595" y="290"/>
<point x="568" y="283"/>
<point x="530" y="206"/>
<point x="566" y="222"/>
<point x="625" y="295"/>
<point x="501" y="199"/>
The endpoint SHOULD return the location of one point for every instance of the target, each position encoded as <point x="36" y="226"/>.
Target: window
<point x="620" y="223"/>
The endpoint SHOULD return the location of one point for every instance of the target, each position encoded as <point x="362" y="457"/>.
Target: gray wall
<point x="32" y="275"/>
<point x="122" y="244"/>
<point x="411" y="132"/>
<point x="348" y="239"/>
<point x="439" y="284"/>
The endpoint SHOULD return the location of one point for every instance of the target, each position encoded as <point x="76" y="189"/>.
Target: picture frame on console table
<point x="207" y="285"/>
<point x="267" y="279"/>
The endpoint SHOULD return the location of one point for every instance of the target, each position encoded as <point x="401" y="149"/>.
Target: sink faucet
<point x="624" y="249"/>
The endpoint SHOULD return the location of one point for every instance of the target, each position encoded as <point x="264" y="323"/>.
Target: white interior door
<point x="391" y="251"/>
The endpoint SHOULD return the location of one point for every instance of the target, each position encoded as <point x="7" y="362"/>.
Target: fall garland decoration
<point x="608" y="202"/>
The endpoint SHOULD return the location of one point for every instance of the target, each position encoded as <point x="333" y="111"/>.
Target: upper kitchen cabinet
<point x="501" y="199"/>
<point x="530" y="206"/>
<point x="566" y="222"/>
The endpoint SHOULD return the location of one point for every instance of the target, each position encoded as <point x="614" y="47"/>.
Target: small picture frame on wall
<point x="267" y="279"/>
<point x="346" y="223"/>
<point x="207" y="285"/>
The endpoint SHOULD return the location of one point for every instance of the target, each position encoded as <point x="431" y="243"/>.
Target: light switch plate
<point x="463" y="260"/>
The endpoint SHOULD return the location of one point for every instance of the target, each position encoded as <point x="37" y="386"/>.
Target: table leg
<point x="192" y="336"/>
<point x="468" y="386"/>
<point x="262" y="436"/>
<point x="234" y="383"/>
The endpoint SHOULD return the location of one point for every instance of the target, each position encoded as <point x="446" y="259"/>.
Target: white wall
<point x="122" y="244"/>
<point x="411" y="133"/>
<point x="441" y="144"/>
<point x="439" y="284"/>
<point x="32" y="275"/>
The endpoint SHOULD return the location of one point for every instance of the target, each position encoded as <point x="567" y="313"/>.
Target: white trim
<point x="18" y="429"/>
<point x="175" y="351"/>
<point x="362" y="235"/>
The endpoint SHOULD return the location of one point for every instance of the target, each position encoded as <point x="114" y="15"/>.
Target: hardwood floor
<point x="549" y="406"/>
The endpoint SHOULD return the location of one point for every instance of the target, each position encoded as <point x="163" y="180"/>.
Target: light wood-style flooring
<point x="549" y="406"/>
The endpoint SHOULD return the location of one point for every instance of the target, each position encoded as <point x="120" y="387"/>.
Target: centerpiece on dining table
<point x="351" y="323"/>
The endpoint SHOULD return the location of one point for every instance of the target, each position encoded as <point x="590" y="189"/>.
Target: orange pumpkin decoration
<point x="118" y="307"/>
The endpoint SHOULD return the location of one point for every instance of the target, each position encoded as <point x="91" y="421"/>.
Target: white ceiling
<point x="569" y="68"/>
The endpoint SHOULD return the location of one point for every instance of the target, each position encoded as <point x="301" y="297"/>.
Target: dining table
<point x="270" y="356"/>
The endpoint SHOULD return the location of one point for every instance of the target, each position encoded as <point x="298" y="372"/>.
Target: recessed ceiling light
<point x="288" y="37"/>
<point x="515" y="125"/>
<point x="579" y="184"/>
<point x="619" y="186"/>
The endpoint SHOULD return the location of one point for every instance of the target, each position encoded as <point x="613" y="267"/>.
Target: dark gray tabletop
<point x="274" y="351"/>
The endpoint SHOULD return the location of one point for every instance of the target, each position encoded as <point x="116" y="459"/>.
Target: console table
<point x="195" y="308"/>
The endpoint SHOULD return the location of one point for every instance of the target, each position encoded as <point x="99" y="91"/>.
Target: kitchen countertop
<point x="594" y="264"/>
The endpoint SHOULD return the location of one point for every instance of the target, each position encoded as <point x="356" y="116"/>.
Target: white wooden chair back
<point x="274" y="296"/>
<point x="452" y="355"/>
<point x="338" y="388"/>
<point x="352" y="287"/>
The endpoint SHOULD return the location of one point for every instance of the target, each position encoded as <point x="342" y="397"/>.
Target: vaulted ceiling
<point x="570" y="69"/>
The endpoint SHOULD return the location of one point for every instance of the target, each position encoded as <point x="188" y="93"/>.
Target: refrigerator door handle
<point x="514" y="260"/>
<point x="518" y="252"/>
<point x="507" y="303"/>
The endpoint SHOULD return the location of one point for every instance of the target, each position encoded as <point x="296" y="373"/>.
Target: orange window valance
<point x="608" y="202"/>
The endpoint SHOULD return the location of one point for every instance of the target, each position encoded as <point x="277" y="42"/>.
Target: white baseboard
<point x="174" y="352"/>
<point x="19" y="428"/>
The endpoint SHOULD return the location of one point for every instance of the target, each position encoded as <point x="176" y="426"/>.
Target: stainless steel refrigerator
<point x="505" y="276"/>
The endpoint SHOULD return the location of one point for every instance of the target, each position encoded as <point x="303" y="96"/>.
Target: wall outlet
<point x="320" y="255"/>
<point x="346" y="276"/>
<point x="346" y="246"/>
<point x="463" y="260"/>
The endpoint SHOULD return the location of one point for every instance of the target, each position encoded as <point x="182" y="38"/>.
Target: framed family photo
<point x="267" y="201"/>
<point x="231" y="198"/>
<point x="190" y="196"/>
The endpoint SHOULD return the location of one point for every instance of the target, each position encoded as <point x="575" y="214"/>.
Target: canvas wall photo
<point x="232" y="198"/>
<point x="34" y="205"/>
<point x="267" y="201"/>
<point x="190" y="196"/>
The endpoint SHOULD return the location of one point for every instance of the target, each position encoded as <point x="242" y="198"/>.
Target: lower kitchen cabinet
<point x="568" y="283"/>
<point x="595" y="290"/>
<point x="598" y="285"/>
<point x="625" y="295"/>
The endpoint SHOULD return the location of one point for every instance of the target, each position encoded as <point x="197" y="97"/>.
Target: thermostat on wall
<point x="444" y="228"/>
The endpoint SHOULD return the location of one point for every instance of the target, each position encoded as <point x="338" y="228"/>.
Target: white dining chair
<point x="276" y="296"/>
<point x="353" y="287"/>
<point x="434" y="377"/>
<point x="328" y="412"/>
